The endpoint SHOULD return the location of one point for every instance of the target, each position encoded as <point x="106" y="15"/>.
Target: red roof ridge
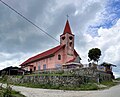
<point x="43" y="54"/>
<point x="67" y="28"/>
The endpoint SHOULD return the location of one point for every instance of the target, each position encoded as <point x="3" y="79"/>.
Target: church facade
<point x="59" y="57"/>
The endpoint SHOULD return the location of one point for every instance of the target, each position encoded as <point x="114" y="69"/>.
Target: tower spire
<point x="67" y="28"/>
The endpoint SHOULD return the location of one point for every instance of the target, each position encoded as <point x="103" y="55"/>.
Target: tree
<point x="94" y="54"/>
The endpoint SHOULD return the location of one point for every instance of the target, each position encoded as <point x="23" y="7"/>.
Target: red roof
<point x="67" y="28"/>
<point x="43" y="55"/>
<point x="72" y="60"/>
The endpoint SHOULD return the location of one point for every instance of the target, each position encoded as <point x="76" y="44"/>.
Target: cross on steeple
<point x="67" y="16"/>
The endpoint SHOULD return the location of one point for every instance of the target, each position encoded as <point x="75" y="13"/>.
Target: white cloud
<point x="108" y="41"/>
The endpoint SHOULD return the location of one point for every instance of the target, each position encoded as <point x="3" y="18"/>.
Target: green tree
<point x="94" y="54"/>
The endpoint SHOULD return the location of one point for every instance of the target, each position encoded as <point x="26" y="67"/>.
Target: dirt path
<point x="35" y="92"/>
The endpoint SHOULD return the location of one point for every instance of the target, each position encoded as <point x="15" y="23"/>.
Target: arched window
<point x="44" y="66"/>
<point x="70" y="44"/>
<point x="59" y="57"/>
<point x="70" y="38"/>
<point x="39" y="67"/>
<point x="63" y="37"/>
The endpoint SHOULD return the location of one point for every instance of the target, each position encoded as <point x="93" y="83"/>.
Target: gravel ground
<point x="35" y="92"/>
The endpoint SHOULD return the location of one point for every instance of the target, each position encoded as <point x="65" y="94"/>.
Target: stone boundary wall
<point x="73" y="77"/>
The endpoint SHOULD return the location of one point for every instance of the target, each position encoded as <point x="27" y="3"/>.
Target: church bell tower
<point x="67" y="39"/>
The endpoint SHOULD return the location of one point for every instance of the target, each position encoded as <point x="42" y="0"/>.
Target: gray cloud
<point x="17" y="35"/>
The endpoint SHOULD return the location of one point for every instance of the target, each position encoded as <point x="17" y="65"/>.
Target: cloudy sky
<point x="95" y="23"/>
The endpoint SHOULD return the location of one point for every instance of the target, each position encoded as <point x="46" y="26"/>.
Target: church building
<point x="63" y="56"/>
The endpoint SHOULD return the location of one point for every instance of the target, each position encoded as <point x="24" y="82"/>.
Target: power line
<point x="28" y="20"/>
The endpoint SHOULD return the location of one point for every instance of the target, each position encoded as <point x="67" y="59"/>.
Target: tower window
<point x="59" y="57"/>
<point x="63" y="38"/>
<point x="70" y="44"/>
<point x="70" y="38"/>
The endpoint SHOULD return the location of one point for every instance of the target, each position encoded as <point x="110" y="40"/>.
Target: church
<point x="63" y="56"/>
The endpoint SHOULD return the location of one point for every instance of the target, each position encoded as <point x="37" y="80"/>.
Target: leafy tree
<point x="94" y="54"/>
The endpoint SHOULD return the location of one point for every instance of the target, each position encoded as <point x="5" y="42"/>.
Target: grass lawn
<point x="109" y="83"/>
<point x="5" y="93"/>
<point x="87" y="86"/>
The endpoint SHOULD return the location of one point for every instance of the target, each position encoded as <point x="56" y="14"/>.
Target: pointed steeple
<point x="67" y="28"/>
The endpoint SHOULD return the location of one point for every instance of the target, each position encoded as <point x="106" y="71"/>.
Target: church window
<point x="70" y="38"/>
<point x="39" y="67"/>
<point x="44" y="66"/>
<point x="63" y="38"/>
<point x="70" y="44"/>
<point x="59" y="57"/>
<point x="34" y="68"/>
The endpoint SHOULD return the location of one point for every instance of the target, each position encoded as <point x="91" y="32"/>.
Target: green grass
<point x="17" y="94"/>
<point x="7" y="91"/>
<point x="109" y="83"/>
<point x="19" y="76"/>
<point x="87" y="86"/>
<point x="12" y="93"/>
<point x="49" y="75"/>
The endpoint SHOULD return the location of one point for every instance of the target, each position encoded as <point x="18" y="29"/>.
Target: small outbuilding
<point x="12" y="71"/>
